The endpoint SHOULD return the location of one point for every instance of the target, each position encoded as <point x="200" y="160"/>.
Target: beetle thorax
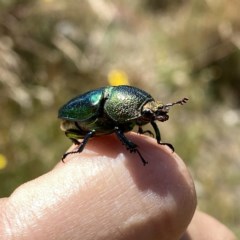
<point x="155" y="110"/>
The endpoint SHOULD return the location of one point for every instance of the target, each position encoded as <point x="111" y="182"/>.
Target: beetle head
<point x="156" y="110"/>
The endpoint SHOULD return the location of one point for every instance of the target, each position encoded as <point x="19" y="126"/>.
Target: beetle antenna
<point x="181" y="102"/>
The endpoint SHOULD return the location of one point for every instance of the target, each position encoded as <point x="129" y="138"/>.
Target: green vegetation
<point x="52" y="50"/>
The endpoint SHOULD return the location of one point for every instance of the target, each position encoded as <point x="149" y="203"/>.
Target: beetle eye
<point x="147" y="113"/>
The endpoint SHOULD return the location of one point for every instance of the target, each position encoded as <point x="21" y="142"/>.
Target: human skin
<point x="105" y="192"/>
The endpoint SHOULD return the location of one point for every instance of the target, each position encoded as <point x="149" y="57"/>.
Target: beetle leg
<point x="158" y="136"/>
<point x="132" y="147"/>
<point x="81" y="144"/>
<point x="141" y="131"/>
<point x="169" y="145"/>
<point x="157" y="132"/>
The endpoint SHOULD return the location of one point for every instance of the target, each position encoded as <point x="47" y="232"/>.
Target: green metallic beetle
<point x="112" y="109"/>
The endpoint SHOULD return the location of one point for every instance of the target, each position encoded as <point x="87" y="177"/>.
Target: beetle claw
<point x="80" y="145"/>
<point x="140" y="155"/>
<point x="65" y="155"/>
<point x="130" y="146"/>
<point x="169" y="145"/>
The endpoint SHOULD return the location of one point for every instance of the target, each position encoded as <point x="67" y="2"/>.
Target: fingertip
<point x="163" y="186"/>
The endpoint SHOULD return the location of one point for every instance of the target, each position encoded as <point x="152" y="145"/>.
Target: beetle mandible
<point x="113" y="109"/>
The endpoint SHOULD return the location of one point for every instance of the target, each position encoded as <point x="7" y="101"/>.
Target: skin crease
<point x="106" y="193"/>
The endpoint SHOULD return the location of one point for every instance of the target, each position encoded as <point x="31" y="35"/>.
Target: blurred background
<point x="53" y="50"/>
